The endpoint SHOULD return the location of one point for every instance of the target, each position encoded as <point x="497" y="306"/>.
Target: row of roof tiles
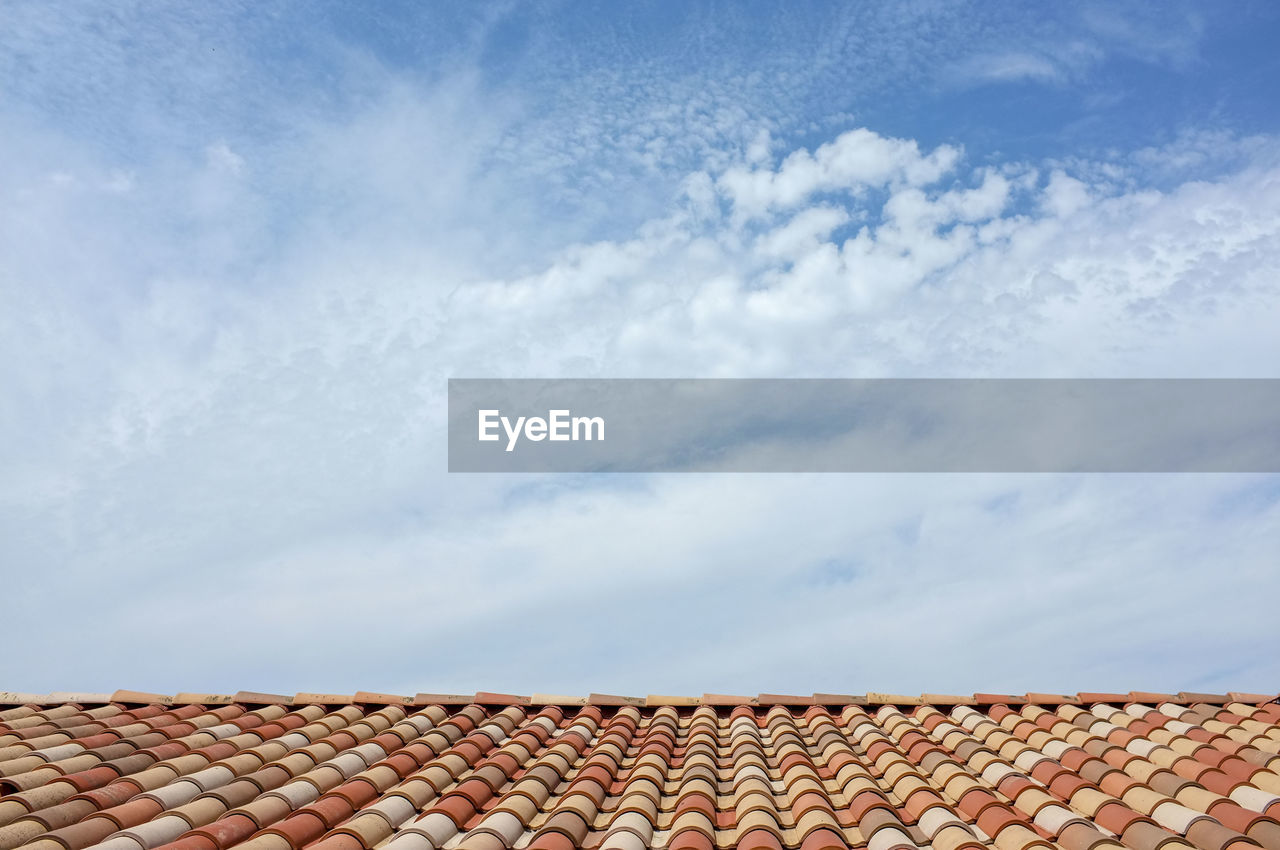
<point x="129" y="697"/>
<point x="123" y="776"/>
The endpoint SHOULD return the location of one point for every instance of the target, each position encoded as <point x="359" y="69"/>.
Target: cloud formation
<point x="225" y="337"/>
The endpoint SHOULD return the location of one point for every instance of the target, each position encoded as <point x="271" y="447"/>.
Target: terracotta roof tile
<point x="372" y="698"/>
<point x="1051" y="699"/>
<point x="498" y="772"/>
<point x="141" y="697"/>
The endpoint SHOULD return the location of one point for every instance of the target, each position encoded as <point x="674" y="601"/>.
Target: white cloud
<point x="802" y="234"/>
<point x="221" y="156"/>
<point x="973" y="583"/>
<point x="1064" y="196"/>
<point x="855" y="161"/>
<point x="223" y="360"/>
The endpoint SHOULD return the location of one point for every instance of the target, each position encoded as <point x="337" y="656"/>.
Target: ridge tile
<point x="141" y="698"/>
<point x="490" y="698"/>
<point x="555" y="699"/>
<point x="947" y="699"/>
<point x="305" y="698"/>
<point x="372" y="698"/>
<point x="255" y="698"/>
<point x="443" y="699"/>
<point x="728" y="699"/>
<point x="613" y="699"/>
<point x="999" y="699"/>
<point x="202" y="699"/>
<point x="783" y="699"/>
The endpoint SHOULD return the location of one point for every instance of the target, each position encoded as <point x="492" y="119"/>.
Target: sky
<point x="244" y="245"/>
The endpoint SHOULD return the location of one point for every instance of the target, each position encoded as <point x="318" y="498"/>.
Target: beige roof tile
<point x="612" y="699"/>
<point x="322" y="699"/>
<point x="893" y="699"/>
<point x="660" y="700"/>
<point x="443" y="699"/>
<point x="372" y="698"/>
<point x="256" y="698"/>
<point x="140" y="697"/>
<point x="555" y="699"/>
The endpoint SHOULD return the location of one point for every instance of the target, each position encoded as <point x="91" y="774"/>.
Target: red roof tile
<point x="502" y="772"/>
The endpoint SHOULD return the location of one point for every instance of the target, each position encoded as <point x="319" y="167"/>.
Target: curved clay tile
<point x="1100" y="772"/>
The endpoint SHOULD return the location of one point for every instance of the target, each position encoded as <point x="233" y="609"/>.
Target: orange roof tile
<point x="503" y="772"/>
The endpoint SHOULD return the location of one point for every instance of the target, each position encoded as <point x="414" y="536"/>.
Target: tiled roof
<point x="128" y="771"/>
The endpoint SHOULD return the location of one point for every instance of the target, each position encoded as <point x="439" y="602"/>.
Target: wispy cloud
<point x="1153" y="33"/>
<point x="1006" y="67"/>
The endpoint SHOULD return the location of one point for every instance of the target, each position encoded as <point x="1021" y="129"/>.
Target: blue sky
<point x="243" y="246"/>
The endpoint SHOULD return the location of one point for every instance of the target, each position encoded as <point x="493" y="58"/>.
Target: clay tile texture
<point x="719" y="772"/>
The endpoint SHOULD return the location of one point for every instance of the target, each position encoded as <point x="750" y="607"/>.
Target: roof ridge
<point x="871" y="698"/>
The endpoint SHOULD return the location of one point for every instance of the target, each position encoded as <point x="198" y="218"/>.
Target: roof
<point x="129" y="771"/>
